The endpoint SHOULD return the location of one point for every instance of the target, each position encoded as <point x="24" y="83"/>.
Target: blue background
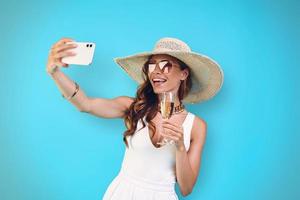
<point x="50" y="150"/>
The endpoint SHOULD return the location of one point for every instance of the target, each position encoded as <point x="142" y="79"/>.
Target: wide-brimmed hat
<point x="206" y="74"/>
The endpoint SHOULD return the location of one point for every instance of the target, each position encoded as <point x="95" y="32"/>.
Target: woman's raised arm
<point x="101" y="107"/>
<point x="109" y="108"/>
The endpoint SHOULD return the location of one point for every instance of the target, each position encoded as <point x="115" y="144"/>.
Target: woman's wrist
<point x="75" y="92"/>
<point x="52" y="70"/>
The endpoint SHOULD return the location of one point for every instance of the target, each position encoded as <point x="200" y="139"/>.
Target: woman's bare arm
<point x="67" y="87"/>
<point x="106" y="108"/>
<point x="100" y="107"/>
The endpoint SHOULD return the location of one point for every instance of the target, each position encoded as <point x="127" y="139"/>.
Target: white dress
<point x="147" y="172"/>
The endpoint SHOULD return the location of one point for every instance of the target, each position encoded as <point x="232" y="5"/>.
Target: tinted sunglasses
<point x="164" y="65"/>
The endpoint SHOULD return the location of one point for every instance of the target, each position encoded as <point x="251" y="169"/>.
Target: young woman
<point x="149" y="169"/>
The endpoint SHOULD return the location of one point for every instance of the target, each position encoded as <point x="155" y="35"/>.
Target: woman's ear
<point x="184" y="74"/>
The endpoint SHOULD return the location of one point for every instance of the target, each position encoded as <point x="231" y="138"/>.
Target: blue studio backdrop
<point x="51" y="151"/>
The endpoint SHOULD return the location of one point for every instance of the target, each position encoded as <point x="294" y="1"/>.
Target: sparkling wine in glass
<point x="167" y="101"/>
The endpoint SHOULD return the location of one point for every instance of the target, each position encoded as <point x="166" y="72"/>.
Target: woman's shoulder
<point x="199" y="126"/>
<point x="198" y="121"/>
<point x="125" y="100"/>
<point x="197" y="118"/>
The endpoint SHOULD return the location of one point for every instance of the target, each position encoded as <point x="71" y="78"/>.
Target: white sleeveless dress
<point x="147" y="172"/>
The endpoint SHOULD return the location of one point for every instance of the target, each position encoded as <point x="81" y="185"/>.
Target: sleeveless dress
<point x="147" y="172"/>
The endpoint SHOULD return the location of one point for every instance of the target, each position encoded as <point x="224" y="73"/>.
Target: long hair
<point x="146" y="101"/>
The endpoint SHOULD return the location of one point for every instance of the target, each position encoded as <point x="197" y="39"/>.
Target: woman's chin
<point x="159" y="90"/>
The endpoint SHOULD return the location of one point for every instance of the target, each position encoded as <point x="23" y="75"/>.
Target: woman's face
<point x="168" y="78"/>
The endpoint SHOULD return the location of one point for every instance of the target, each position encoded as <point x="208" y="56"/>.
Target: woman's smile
<point x="158" y="82"/>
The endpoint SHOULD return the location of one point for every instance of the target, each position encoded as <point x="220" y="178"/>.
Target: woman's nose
<point x="157" y="69"/>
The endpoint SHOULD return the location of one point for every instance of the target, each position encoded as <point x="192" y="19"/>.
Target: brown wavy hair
<point x="146" y="101"/>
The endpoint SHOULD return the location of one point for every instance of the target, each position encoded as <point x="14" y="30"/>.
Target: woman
<point x="150" y="170"/>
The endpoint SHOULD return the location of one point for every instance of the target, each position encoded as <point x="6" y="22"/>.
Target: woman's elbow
<point x="186" y="192"/>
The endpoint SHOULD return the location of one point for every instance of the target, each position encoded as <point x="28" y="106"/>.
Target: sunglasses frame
<point x="161" y="66"/>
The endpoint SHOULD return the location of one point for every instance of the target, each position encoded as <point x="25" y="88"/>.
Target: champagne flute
<point x="167" y="101"/>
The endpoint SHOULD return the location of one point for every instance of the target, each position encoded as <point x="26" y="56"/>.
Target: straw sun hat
<point x="206" y="74"/>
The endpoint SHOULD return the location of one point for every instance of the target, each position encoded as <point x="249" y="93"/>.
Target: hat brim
<point x="206" y="74"/>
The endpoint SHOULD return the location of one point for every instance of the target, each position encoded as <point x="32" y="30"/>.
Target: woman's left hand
<point x="173" y="132"/>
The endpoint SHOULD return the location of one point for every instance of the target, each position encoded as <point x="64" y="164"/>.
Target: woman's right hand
<point x="59" y="50"/>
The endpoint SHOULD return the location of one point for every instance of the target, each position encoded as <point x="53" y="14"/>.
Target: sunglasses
<point x="164" y="65"/>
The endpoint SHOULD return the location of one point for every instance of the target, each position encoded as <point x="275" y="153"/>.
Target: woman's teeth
<point x="158" y="82"/>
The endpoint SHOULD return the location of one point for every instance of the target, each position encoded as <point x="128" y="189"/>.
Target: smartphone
<point x="84" y="53"/>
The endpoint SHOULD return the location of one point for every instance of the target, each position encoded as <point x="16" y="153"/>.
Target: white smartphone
<point x="84" y="53"/>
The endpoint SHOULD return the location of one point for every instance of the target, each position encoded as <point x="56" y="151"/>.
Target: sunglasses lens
<point x="162" y="64"/>
<point x="166" y="70"/>
<point x="151" y="67"/>
<point x="165" y="66"/>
